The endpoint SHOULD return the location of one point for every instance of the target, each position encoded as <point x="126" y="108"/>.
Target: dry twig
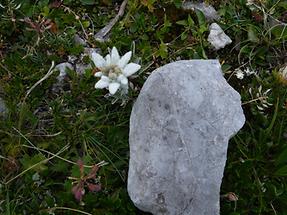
<point x="100" y="36"/>
<point x="41" y="80"/>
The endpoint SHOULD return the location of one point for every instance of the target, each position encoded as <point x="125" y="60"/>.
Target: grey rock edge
<point x="180" y="126"/>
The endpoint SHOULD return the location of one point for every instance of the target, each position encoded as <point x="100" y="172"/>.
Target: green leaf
<point x="86" y="23"/>
<point x="282" y="158"/>
<point x="244" y="50"/>
<point x="177" y="3"/>
<point x="149" y="4"/>
<point x="163" y="52"/>
<point x="75" y="172"/>
<point x="283" y="4"/>
<point x="252" y="34"/>
<point x="281" y="171"/>
<point x="272" y="123"/>
<point x="203" y="53"/>
<point x="43" y="3"/>
<point x="45" y="11"/>
<point x="190" y="21"/>
<point x="133" y="28"/>
<point x="60" y="166"/>
<point x="167" y="23"/>
<point x="280" y="32"/>
<point x="200" y="17"/>
<point x="261" y="52"/>
<point x="226" y="67"/>
<point x="183" y="36"/>
<point x="28" y="161"/>
<point x="182" y="22"/>
<point x="202" y="29"/>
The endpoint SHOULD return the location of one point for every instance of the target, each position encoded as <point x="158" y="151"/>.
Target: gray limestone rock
<point x="90" y="51"/>
<point x="81" y="68"/>
<point x="209" y="12"/>
<point x="74" y="63"/>
<point x="79" y="41"/>
<point x="217" y="37"/>
<point x="62" y="67"/>
<point x="179" y="130"/>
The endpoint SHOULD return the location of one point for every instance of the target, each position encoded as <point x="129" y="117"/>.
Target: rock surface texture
<point x="179" y="130"/>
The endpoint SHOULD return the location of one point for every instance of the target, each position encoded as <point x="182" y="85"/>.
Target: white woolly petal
<point x="108" y="60"/>
<point x="98" y="74"/>
<point x="98" y="60"/>
<point x="130" y="69"/>
<point x="105" y="78"/>
<point x="115" y="57"/>
<point x="101" y="84"/>
<point x="113" y="87"/>
<point x="124" y="59"/>
<point x="123" y="79"/>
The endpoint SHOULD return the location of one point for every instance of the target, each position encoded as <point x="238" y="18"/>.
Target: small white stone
<point x="62" y="69"/>
<point x="79" y="41"/>
<point x="217" y="37"/>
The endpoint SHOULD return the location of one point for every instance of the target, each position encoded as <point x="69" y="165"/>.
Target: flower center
<point x="112" y="72"/>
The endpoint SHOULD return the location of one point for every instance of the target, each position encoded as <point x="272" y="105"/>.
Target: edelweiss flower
<point x="239" y="73"/>
<point x="249" y="72"/>
<point x="114" y="71"/>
